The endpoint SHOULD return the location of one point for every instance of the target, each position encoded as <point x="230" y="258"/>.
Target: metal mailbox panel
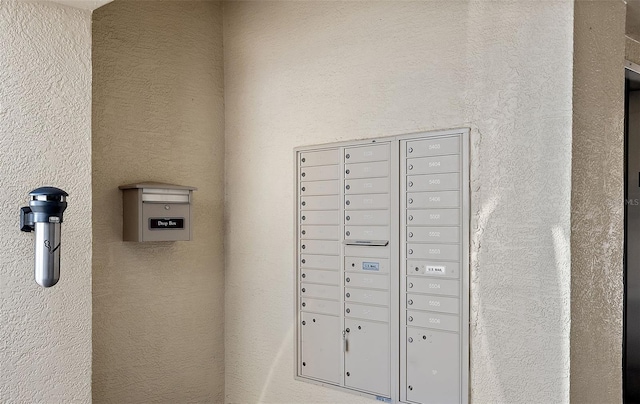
<point x="322" y="277"/>
<point x="366" y="153"/>
<point x="433" y="182"/>
<point x="320" y="232"/>
<point x="439" y="304"/>
<point x="331" y="187"/>
<point x="434" y="217"/>
<point x="433" y="366"/>
<point x="367" y="170"/>
<point x="450" y="252"/>
<point x="434" y="286"/>
<point x="329" y="202"/>
<point x="367" y="359"/>
<point x="367" y="202"/>
<point x="321" y="347"/>
<point x="433" y="234"/>
<point x="320" y="173"/>
<point x="436" y="321"/>
<point x="434" y="269"/>
<point x="320" y="158"/>
<point x="430" y="200"/>
<point x="433" y="147"/>
<point x="330" y="307"/>
<point x="433" y="165"/>
<point x="320" y="291"/>
<point x="366" y="186"/>
<point x="366" y="233"/>
<point x="367" y="217"/>
<point x="320" y="261"/>
<point x="374" y="313"/>
<point x="365" y="280"/>
<point x="321" y="247"/>
<point x="320" y="217"/>
<point x="160" y="211"/>
<point x="369" y="264"/>
<point x="366" y="296"/>
<point x="366" y="251"/>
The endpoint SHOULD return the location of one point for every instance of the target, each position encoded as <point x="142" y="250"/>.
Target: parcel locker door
<point x="433" y="366"/>
<point x="321" y="347"/>
<point x="367" y="359"/>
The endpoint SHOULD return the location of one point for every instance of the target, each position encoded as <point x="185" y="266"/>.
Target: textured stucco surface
<point x="632" y="50"/>
<point x="45" y="139"/>
<point x="597" y="199"/>
<point x="158" y="115"/>
<point x="300" y="73"/>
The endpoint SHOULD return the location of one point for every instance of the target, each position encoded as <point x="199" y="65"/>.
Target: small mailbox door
<point x="165" y="222"/>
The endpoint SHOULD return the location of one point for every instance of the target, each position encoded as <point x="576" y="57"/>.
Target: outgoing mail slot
<point x="446" y="252"/>
<point x="320" y="232"/>
<point x="433" y="217"/>
<point x="366" y="280"/>
<point x="437" y="321"/>
<point x="440" y="304"/>
<point x="370" y="201"/>
<point x="366" y="251"/>
<point x="320" y="202"/>
<point x="366" y="312"/>
<point x="320" y="247"/>
<point x="320" y="158"/>
<point x="367" y="217"/>
<point x="434" y="234"/>
<point x="433" y="182"/>
<point x="444" y="199"/>
<point x="433" y="147"/>
<point x="331" y="307"/>
<point x="366" y="233"/>
<point x="320" y="261"/>
<point x="366" y="170"/>
<point x="322" y="277"/>
<point x="156" y="212"/>
<point x="366" y="296"/>
<point x="320" y="217"/>
<point x="434" y="286"/>
<point x="331" y="187"/>
<point x="433" y="165"/>
<point x="366" y="153"/>
<point x="319" y="291"/>
<point x="369" y="264"/>
<point x="320" y="173"/>
<point x="434" y="268"/>
<point x="367" y="186"/>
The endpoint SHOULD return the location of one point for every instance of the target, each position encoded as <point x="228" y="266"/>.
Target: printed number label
<point x="434" y="146"/>
<point x="434" y="164"/>
<point x="434" y="303"/>
<point x="434" y="216"/>
<point x="434" y="286"/>
<point x="368" y="153"/>
<point x="434" y="199"/>
<point x="434" y="269"/>
<point x="434" y="251"/>
<point x="434" y="320"/>
<point x="434" y="234"/>
<point x="434" y="181"/>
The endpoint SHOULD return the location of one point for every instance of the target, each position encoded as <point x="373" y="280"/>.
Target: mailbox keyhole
<point x="167" y="207"/>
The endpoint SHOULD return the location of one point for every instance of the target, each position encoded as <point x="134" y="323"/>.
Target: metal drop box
<point x="154" y="211"/>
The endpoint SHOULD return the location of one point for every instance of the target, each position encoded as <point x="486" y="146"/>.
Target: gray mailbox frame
<point x="145" y="201"/>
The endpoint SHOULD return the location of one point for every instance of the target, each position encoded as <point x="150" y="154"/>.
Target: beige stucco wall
<point x="45" y="139"/>
<point x="158" y="115"/>
<point x="597" y="200"/>
<point x="301" y="73"/>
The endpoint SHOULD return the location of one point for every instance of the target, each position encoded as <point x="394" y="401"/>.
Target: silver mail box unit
<point x="155" y="211"/>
